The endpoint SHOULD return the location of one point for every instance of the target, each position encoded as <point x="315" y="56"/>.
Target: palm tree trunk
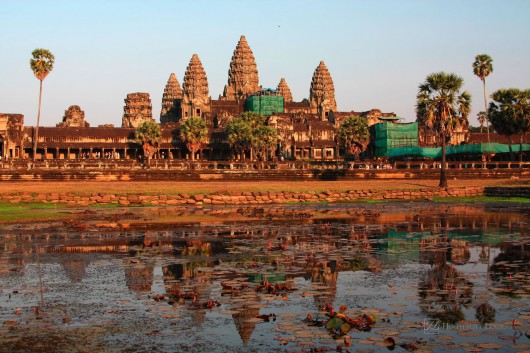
<point x="486" y="109"/>
<point x="443" y="177"/>
<point x="36" y="135"/>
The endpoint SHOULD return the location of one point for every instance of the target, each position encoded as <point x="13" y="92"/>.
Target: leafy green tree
<point x="482" y="67"/>
<point x="254" y="119"/>
<point x="354" y="135"/>
<point x="248" y="132"/>
<point x="265" y="140"/>
<point x="194" y="133"/>
<point x="41" y="64"/>
<point x="442" y="108"/>
<point x="509" y="113"/>
<point x="523" y="117"/>
<point x="148" y="135"/>
<point x="239" y="134"/>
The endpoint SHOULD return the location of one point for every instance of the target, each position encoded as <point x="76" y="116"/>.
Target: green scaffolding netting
<point x="436" y="152"/>
<point x="390" y="135"/>
<point x="265" y="105"/>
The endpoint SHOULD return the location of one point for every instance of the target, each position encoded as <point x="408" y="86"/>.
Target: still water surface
<point x="433" y="278"/>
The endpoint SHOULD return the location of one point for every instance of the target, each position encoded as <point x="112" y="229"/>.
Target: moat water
<point x="244" y="279"/>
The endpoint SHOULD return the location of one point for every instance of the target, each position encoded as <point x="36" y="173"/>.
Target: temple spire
<point x="172" y="93"/>
<point x="285" y="91"/>
<point x="322" y="91"/>
<point x="243" y="73"/>
<point x="195" y="90"/>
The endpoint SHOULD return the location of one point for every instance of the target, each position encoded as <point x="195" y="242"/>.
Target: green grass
<point x="481" y="199"/>
<point x="107" y="205"/>
<point x="7" y="207"/>
<point x="30" y="212"/>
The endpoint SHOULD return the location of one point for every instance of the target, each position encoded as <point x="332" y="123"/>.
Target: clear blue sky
<point x="377" y="51"/>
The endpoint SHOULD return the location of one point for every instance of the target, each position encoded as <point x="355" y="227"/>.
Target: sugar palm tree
<point x="442" y="108"/>
<point x="194" y="132"/>
<point x="482" y="67"/>
<point x="41" y="64"/>
<point x="481" y="117"/>
<point x="148" y="135"/>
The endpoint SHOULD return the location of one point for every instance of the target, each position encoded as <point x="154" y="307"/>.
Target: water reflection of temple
<point x="315" y="249"/>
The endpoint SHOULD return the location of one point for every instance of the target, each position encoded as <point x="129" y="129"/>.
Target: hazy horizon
<point x="377" y="52"/>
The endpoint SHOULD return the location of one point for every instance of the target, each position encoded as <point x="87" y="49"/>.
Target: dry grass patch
<point x="208" y="187"/>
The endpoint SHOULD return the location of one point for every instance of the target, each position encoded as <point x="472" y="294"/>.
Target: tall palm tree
<point x="442" y="108"/>
<point x="482" y="67"/>
<point x="194" y="132"/>
<point x="481" y="117"/>
<point x="41" y="64"/>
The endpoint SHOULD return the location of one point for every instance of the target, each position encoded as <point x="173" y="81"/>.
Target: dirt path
<point x="207" y="187"/>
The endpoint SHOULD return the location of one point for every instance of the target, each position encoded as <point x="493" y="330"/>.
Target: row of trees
<point x="247" y="133"/>
<point x="443" y="108"/>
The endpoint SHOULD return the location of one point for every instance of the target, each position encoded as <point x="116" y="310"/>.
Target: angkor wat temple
<point x="307" y="129"/>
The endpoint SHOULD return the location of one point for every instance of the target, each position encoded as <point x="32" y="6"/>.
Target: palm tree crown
<point x="41" y="63"/>
<point x="483" y="66"/>
<point x="194" y="132"/>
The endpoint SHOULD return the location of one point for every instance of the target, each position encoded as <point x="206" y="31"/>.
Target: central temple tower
<point x="322" y="92"/>
<point x="243" y="73"/>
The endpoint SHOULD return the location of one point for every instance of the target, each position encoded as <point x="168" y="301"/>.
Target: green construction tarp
<point x="265" y="104"/>
<point x="392" y="135"/>
<point x="436" y="152"/>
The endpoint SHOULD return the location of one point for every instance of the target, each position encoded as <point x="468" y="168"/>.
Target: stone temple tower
<point x="322" y="92"/>
<point x="171" y="100"/>
<point x="285" y="91"/>
<point x="196" y="100"/>
<point x="137" y="109"/>
<point x="243" y="73"/>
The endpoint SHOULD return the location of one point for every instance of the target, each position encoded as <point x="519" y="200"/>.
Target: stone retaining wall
<point x="243" y="198"/>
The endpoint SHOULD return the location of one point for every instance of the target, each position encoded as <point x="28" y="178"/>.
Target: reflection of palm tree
<point x="445" y="290"/>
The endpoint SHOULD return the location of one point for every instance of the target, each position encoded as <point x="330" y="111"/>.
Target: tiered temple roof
<point x="137" y="109"/>
<point x="74" y="117"/>
<point x="195" y="81"/>
<point x="322" y="92"/>
<point x="285" y="91"/>
<point x="172" y="93"/>
<point x="196" y="99"/>
<point x="243" y="77"/>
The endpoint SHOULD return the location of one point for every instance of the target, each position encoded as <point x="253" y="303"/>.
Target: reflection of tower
<point x="139" y="277"/>
<point x="326" y="273"/>
<point x="74" y="266"/>
<point x="459" y="252"/>
<point x="246" y="310"/>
